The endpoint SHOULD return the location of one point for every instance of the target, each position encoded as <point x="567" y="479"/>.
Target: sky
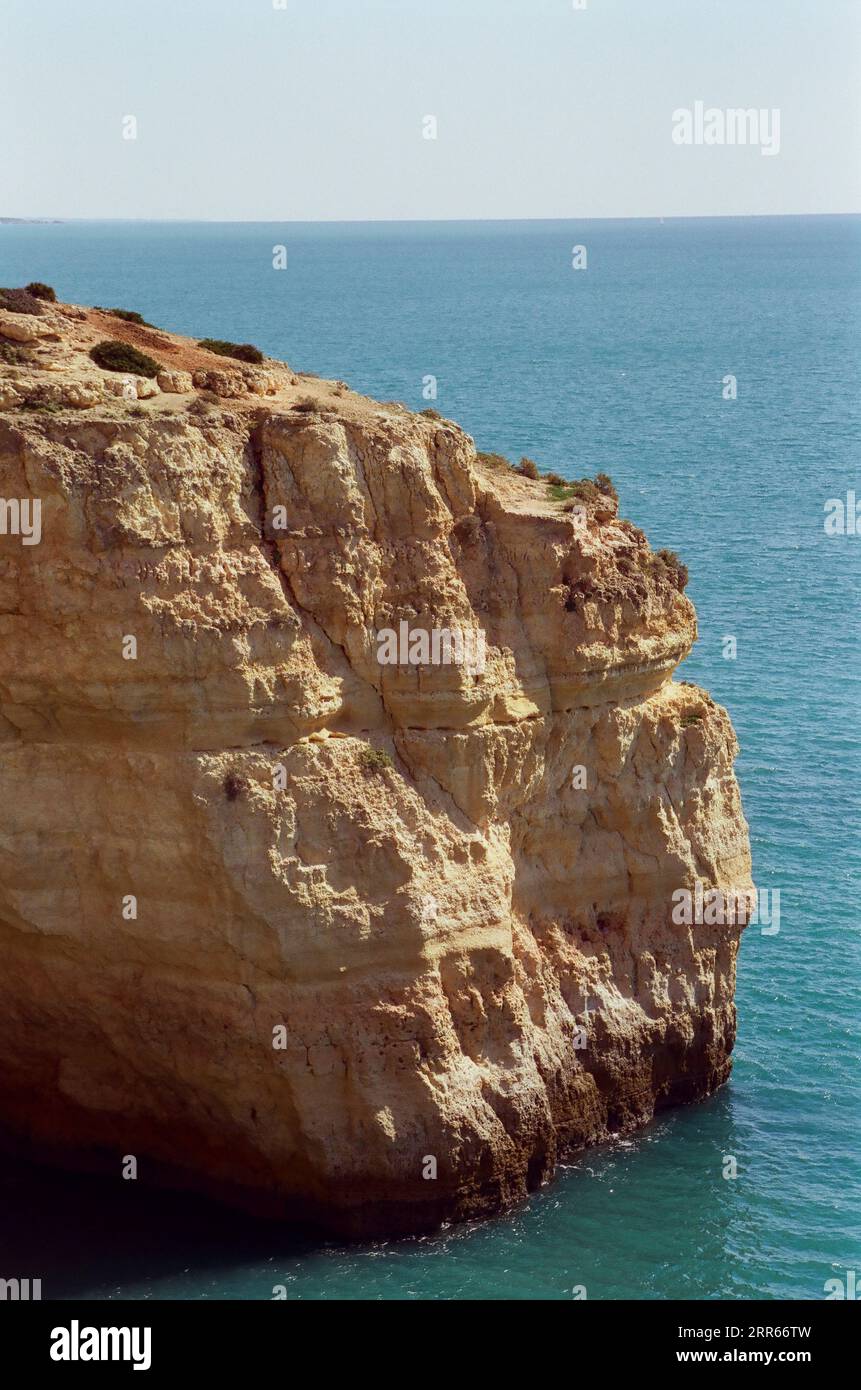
<point x="305" y="110"/>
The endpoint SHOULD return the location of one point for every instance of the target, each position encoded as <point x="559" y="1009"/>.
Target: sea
<point x="712" y="368"/>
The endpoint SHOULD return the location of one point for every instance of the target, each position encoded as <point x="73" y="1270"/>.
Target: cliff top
<point x="46" y="368"/>
<point x="370" y="514"/>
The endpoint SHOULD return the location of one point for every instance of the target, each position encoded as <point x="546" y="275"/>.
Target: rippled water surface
<point x="616" y="369"/>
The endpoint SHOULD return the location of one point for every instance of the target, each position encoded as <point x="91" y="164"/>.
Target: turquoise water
<point x="619" y="369"/>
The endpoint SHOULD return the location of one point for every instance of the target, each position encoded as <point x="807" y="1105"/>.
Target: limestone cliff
<point x="237" y="941"/>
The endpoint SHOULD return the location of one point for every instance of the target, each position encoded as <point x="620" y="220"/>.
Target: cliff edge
<point x="346" y="792"/>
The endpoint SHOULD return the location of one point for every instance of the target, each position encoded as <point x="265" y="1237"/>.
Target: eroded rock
<point x="287" y="922"/>
<point x="226" y="384"/>
<point x="175" y="382"/>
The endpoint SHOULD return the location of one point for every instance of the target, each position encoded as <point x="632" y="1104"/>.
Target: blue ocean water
<point x="617" y="368"/>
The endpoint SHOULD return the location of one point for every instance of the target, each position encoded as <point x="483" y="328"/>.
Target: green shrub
<point x="670" y="561"/>
<point x="41" y="291"/>
<point x="527" y="469"/>
<point x="20" y="302"/>
<point x="604" y="484"/>
<point x="11" y="352"/>
<point x="243" y="352"/>
<point x="129" y="316"/>
<point x="115" y="356"/>
<point x="584" y="492"/>
<point x="45" y="407"/>
<point x="554" y="480"/>
<point x="374" y="759"/>
<point x="586" y="489"/>
<point x="689" y="719"/>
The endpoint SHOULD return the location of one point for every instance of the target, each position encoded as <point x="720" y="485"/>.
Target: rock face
<point x="368" y="943"/>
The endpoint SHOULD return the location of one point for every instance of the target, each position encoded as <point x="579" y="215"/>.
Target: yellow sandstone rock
<point x="178" y="382"/>
<point x="21" y="328"/>
<point x="292" y="968"/>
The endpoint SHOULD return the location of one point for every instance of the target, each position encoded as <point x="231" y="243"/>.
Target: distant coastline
<point x="455" y="222"/>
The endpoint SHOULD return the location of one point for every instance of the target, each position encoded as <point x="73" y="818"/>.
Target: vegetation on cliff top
<point x="588" y="490"/>
<point x="676" y="569"/>
<point x="127" y="315"/>
<point x="599" y="493"/>
<point x="20" y="302"/>
<point x="561" y="489"/>
<point x="243" y="352"/>
<point x="41" y="291"/>
<point x="114" y="356"/>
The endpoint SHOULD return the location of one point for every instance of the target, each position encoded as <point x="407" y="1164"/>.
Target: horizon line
<point x="54" y="220"/>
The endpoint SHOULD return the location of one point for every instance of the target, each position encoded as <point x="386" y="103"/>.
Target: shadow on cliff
<point x="87" y="1237"/>
<point x="84" y="1237"/>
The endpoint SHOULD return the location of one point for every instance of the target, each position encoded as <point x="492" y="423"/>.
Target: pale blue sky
<point x="249" y="112"/>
